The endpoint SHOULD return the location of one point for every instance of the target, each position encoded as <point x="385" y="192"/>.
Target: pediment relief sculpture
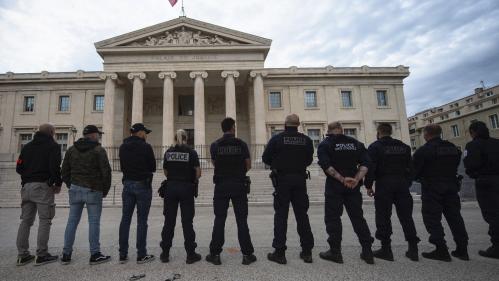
<point x="184" y="36"/>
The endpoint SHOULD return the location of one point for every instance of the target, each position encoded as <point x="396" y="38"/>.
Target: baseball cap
<point x="137" y="127"/>
<point x="90" y="129"/>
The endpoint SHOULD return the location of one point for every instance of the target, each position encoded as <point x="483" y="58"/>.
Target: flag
<point x="173" y="2"/>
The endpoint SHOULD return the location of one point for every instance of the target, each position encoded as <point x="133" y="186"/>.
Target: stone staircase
<point x="261" y="189"/>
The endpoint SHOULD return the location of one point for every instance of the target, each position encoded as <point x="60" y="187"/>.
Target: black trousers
<point x="224" y="193"/>
<point x="179" y="193"/>
<point x="292" y="189"/>
<point x="337" y="196"/>
<point x="391" y="192"/>
<point x="437" y="198"/>
<point x="487" y="194"/>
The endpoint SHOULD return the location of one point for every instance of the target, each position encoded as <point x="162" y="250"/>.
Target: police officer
<point x="345" y="162"/>
<point x="435" y="165"/>
<point x="391" y="168"/>
<point x="481" y="160"/>
<point x="289" y="154"/>
<point x="181" y="167"/>
<point x="231" y="159"/>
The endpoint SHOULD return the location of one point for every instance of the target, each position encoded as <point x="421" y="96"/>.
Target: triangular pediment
<point x="183" y="32"/>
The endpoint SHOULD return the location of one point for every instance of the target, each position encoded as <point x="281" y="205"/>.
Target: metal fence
<point x="203" y="151"/>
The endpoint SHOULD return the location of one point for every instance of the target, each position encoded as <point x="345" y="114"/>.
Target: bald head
<point x="292" y="120"/>
<point x="335" y="128"/>
<point x="47" y="129"/>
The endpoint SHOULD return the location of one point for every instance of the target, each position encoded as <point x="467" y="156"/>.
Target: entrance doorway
<point x="190" y="137"/>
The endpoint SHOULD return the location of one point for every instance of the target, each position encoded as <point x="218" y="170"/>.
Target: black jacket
<point x="137" y="159"/>
<point x="40" y="161"/>
<point x="436" y="159"/>
<point x="86" y="164"/>
<point x="481" y="157"/>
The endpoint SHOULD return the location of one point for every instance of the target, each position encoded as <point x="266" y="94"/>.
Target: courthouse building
<point x="455" y="117"/>
<point x="189" y="74"/>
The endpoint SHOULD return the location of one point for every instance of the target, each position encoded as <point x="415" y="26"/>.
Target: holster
<point x="273" y="178"/>
<point x="459" y="180"/>
<point x="196" y="187"/>
<point x="162" y="189"/>
<point x="247" y="184"/>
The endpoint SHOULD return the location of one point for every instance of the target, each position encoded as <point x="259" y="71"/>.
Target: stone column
<point x="108" y="115"/>
<point x="259" y="104"/>
<point x="199" y="116"/>
<point x="168" y="109"/>
<point x="138" y="96"/>
<point x="230" y="92"/>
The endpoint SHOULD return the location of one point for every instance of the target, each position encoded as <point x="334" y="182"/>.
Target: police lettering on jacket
<point x="229" y="154"/>
<point x="180" y="162"/>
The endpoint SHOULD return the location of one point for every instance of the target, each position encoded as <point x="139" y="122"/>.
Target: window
<point x="274" y="131"/>
<point x="478" y="106"/>
<point x="62" y="140"/>
<point x="489" y="94"/>
<point x="310" y="99"/>
<point x="494" y="122"/>
<point x="430" y="121"/>
<point x="351" y="132"/>
<point x="494" y="101"/>
<point x="186" y="105"/>
<point x="64" y="103"/>
<point x="99" y="103"/>
<point x="24" y="139"/>
<point x="469" y="100"/>
<point x="315" y="135"/>
<point x="455" y="131"/>
<point x="442" y="117"/>
<point x="275" y="100"/>
<point x="457" y="113"/>
<point x="382" y="98"/>
<point x="29" y="104"/>
<point x="346" y="99"/>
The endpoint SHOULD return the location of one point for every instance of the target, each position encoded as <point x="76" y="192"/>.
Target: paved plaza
<point x="261" y="225"/>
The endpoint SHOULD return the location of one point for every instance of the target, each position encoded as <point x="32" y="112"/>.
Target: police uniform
<point x="344" y="154"/>
<point x="391" y="168"/>
<point x="229" y="155"/>
<point x="435" y="165"/>
<point x="481" y="161"/>
<point x="180" y="162"/>
<point x="289" y="154"/>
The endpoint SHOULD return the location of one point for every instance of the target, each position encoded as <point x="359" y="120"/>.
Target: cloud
<point x="450" y="45"/>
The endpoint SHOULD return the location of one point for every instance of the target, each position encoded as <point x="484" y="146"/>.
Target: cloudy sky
<point x="449" y="45"/>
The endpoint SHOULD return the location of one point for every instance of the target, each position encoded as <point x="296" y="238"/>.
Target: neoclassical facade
<point x="189" y="74"/>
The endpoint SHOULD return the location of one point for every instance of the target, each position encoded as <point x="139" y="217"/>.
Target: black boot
<point x="412" y="252"/>
<point x="367" y="255"/>
<point x="461" y="253"/>
<point x="192" y="258"/>
<point x="165" y="256"/>
<point x="277" y="256"/>
<point x="306" y="256"/>
<point x="492" y="252"/>
<point x="249" y="259"/>
<point x="333" y="255"/>
<point x="214" y="259"/>
<point x="385" y="253"/>
<point x="440" y="253"/>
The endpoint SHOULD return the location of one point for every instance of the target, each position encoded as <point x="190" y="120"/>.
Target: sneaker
<point x="164" y="257"/>
<point x="192" y="258"/>
<point x="412" y="252"/>
<point x="492" y="252"/>
<point x="99" y="258"/>
<point x="123" y="259"/>
<point x="145" y="259"/>
<point x="367" y="255"/>
<point x="66" y="259"/>
<point x="461" y="253"/>
<point x="332" y="255"/>
<point x="306" y="257"/>
<point x="25" y="260"/>
<point x="214" y="259"/>
<point x="249" y="259"/>
<point x="277" y="257"/>
<point x="41" y="260"/>
<point x="441" y="254"/>
<point x="385" y="253"/>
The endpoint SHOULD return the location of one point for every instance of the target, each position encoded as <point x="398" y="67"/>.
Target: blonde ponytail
<point x="180" y="137"/>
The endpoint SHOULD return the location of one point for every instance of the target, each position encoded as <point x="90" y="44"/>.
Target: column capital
<point x="255" y="73"/>
<point x="167" y="74"/>
<point x="133" y="75"/>
<point x="194" y="74"/>
<point x="227" y="73"/>
<point x="110" y="75"/>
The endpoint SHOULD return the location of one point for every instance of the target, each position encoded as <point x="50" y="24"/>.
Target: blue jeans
<point x="78" y="197"/>
<point x="135" y="193"/>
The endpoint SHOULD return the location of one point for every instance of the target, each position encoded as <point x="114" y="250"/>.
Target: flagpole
<point x="183" y="10"/>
